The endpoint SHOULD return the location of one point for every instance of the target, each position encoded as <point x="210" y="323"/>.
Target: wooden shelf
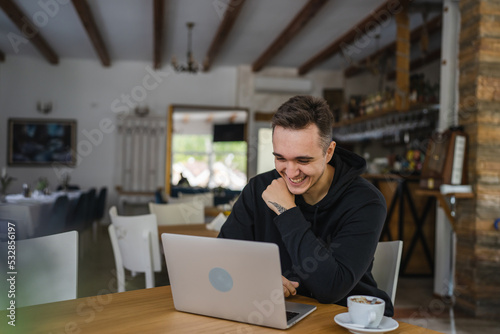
<point x="449" y="209"/>
<point x="431" y="192"/>
<point x="382" y="113"/>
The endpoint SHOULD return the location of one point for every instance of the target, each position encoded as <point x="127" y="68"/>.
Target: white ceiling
<point x="126" y="27"/>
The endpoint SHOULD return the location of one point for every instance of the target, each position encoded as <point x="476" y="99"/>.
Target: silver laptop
<point x="229" y="279"/>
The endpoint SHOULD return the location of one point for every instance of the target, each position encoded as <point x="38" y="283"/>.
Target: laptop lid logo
<point x="220" y="279"/>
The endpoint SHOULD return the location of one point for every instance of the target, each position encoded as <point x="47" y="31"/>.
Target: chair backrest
<point x="130" y="243"/>
<point x="58" y="216"/>
<point x="178" y="213"/>
<point x="206" y="198"/>
<point x="113" y="211"/>
<point x="385" y="268"/>
<point x="77" y="218"/>
<point x="159" y="197"/>
<point x="91" y="206"/>
<point x="100" y="204"/>
<point x="47" y="267"/>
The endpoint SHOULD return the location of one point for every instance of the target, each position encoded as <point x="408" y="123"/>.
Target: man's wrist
<point x="279" y="208"/>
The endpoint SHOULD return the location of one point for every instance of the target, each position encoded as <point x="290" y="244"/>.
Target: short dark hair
<point x="300" y="111"/>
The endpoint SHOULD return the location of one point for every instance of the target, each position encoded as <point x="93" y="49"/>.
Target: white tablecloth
<point x="30" y="213"/>
<point x="39" y="198"/>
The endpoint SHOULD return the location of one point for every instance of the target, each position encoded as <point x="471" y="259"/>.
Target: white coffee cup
<point x="366" y="311"/>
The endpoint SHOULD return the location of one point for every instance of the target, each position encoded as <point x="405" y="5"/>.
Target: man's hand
<point x="277" y="196"/>
<point x="289" y="287"/>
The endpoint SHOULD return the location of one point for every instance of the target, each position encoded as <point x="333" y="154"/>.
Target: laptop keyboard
<point x="290" y="315"/>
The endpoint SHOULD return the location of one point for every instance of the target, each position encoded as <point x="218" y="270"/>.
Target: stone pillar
<point x="477" y="276"/>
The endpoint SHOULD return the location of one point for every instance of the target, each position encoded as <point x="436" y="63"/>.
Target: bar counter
<point x="410" y="218"/>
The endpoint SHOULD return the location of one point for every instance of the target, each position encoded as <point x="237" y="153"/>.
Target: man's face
<point x="299" y="158"/>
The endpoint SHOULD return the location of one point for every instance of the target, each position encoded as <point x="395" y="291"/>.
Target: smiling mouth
<point x="297" y="180"/>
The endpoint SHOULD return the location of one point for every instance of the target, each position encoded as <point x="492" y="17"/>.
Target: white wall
<point x="85" y="91"/>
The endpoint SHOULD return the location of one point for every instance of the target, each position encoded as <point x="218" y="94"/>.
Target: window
<point x="207" y="164"/>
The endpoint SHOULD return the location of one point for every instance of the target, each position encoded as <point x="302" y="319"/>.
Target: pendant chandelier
<point x="191" y="66"/>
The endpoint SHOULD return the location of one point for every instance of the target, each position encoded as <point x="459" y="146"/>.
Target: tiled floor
<point x="415" y="302"/>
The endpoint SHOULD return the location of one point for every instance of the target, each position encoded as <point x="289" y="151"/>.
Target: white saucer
<point x="387" y="324"/>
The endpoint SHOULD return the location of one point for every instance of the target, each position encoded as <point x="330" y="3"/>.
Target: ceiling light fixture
<point x="192" y="65"/>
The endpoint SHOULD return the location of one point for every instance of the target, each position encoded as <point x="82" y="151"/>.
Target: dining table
<point x="152" y="311"/>
<point x="199" y="230"/>
<point x="29" y="213"/>
<point x="40" y="198"/>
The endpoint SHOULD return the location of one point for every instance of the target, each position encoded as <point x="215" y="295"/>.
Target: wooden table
<point x="190" y="229"/>
<point x="152" y="311"/>
<point x="212" y="211"/>
<point x="30" y="214"/>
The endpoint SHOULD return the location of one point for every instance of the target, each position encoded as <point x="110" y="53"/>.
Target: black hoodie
<point x="327" y="247"/>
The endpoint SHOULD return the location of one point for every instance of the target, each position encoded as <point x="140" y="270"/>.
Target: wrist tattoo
<point x="279" y="207"/>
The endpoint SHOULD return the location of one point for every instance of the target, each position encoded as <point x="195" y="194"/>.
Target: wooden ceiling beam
<point x="29" y="30"/>
<point x="233" y="9"/>
<point x="307" y="12"/>
<point x="366" y="26"/>
<point x="431" y="26"/>
<point x="158" y="17"/>
<point x="88" y="21"/>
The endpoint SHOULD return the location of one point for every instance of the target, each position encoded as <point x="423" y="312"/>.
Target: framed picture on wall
<point x="41" y="142"/>
<point x="445" y="160"/>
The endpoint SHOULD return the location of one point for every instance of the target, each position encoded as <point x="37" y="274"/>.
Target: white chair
<point x="385" y="268"/>
<point x="178" y="213"/>
<point x="47" y="269"/>
<point x="206" y="198"/>
<point x="113" y="211"/>
<point x="136" y="246"/>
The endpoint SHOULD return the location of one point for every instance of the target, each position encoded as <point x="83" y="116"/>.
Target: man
<point x="324" y="217"/>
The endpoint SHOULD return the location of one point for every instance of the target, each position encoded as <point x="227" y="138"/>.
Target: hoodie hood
<point x="348" y="166"/>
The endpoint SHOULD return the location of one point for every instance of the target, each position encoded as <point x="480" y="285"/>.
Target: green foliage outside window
<point x="185" y="148"/>
<point x="238" y="148"/>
